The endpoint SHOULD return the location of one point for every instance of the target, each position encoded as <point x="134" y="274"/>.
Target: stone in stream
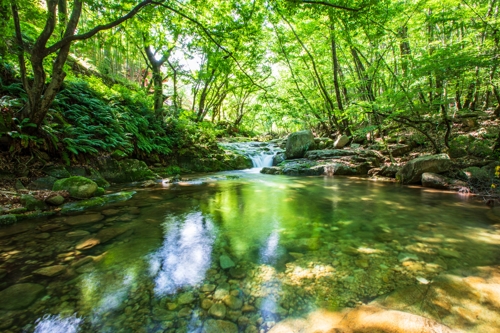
<point x="217" y="310"/>
<point x="8" y="219"/>
<point x="87" y="244"/>
<point x="20" y="296"/>
<point x="433" y="180"/>
<point x="83" y="219"/>
<point x="412" y="172"/>
<point x="51" y="271"/>
<point x="233" y="302"/>
<point x="186" y="298"/>
<point x="107" y="234"/>
<point x="298" y="143"/>
<point x="206" y="304"/>
<point x="110" y="212"/>
<point x="55" y="200"/>
<point x="226" y="262"/>
<point x="208" y="288"/>
<point x="77" y="186"/>
<point x="219" y="326"/>
<point x="77" y="234"/>
<point x="237" y="273"/>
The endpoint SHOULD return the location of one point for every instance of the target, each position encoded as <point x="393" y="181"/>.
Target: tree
<point x="40" y="91"/>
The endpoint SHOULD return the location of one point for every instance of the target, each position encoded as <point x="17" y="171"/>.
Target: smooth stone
<point x="186" y="298"/>
<point x="110" y="212"/>
<point x="77" y="234"/>
<point x="233" y="302"/>
<point x="51" y="271"/>
<point x="87" y="244"/>
<point x="402" y="257"/>
<point x="83" y="219"/>
<point x="208" y="288"/>
<point x="449" y="253"/>
<point x="237" y="273"/>
<point x="206" y="304"/>
<point x="248" y="308"/>
<point x="43" y="235"/>
<point x="226" y="262"/>
<point x="220" y="293"/>
<point x="184" y="312"/>
<point x="218" y="310"/>
<point x="82" y="262"/>
<point x="107" y="234"/>
<point x="20" y="296"/>
<point x="219" y="326"/>
<point x="56" y="200"/>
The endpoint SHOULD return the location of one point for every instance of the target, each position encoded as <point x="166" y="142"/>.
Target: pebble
<point x="186" y="298"/>
<point x="218" y="310"/>
<point x="43" y="235"/>
<point x="77" y="234"/>
<point x="51" y="271"/>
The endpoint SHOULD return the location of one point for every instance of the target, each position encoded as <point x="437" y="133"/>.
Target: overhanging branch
<point x="328" y="4"/>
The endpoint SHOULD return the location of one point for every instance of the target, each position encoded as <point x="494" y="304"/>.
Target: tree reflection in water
<point x="185" y="255"/>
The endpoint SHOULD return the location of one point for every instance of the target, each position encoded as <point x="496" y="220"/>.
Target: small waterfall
<point x="262" y="160"/>
<point x="260" y="153"/>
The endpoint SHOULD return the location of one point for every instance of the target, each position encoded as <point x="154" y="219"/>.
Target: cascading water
<point x="260" y="153"/>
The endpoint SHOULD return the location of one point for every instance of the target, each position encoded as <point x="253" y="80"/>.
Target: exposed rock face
<point x="341" y="141"/>
<point x="298" y="143"/>
<point x="412" y="172"/>
<point x="77" y="186"/>
<point x="434" y="180"/>
<point x="20" y="296"/>
<point x="124" y="171"/>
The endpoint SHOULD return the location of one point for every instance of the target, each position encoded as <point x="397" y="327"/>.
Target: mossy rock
<point x="31" y="203"/>
<point x="44" y="183"/>
<point x="77" y="186"/>
<point x="96" y="202"/>
<point x="118" y="154"/>
<point x="100" y="192"/>
<point x="58" y="172"/>
<point x="125" y="171"/>
<point x="8" y="219"/>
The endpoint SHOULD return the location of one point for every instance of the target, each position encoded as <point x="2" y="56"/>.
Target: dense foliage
<point x="155" y="76"/>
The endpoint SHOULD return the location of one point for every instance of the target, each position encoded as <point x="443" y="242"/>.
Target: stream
<point x="234" y="251"/>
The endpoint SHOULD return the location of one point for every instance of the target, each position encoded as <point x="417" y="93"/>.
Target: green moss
<point x="8" y="219"/>
<point x="96" y="201"/>
<point x="77" y="186"/>
<point x="99" y="192"/>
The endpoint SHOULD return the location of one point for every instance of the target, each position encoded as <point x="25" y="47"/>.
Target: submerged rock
<point x="96" y="202"/>
<point x="226" y="262"/>
<point x="433" y="180"/>
<point x="412" y="172"/>
<point x="20" y="296"/>
<point x="219" y="326"/>
<point x="298" y="143"/>
<point x="217" y="310"/>
<point x="77" y="186"/>
<point x="83" y="219"/>
<point x="51" y="270"/>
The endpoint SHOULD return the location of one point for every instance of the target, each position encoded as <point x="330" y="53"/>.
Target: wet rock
<point x="271" y="170"/>
<point x="412" y="172"/>
<point x="237" y="273"/>
<point x="448" y="253"/>
<point x="217" y="310"/>
<point x="433" y="180"/>
<point x="184" y="312"/>
<point x="87" y="244"/>
<point x="226" y="262"/>
<point x="402" y="257"/>
<point x="51" y="271"/>
<point x="8" y="219"/>
<point x="362" y="263"/>
<point x="83" y="219"/>
<point x="96" y="202"/>
<point x="298" y="143"/>
<point x="389" y="171"/>
<point x="55" y="200"/>
<point x="20" y="296"/>
<point x="77" y="234"/>
<point x="149" y="183"/>
<point x="110" y="212"/>
<point x="81" y="262"/>
<point x="247" y="308"/>
<point x="162" y="314"/>
<point x="341" y="141"/>
<point x="31" y="203"/>
<point x="278" y="158"/>
<point x="206" y="304"/>
<point x="233" y="302"/>
<point x="186" y="298"/>
<point x="107" y="234"/>
<point x="208" y="288"/>
<point x="77" y="186"/>
<point x="219" y="326"/>
<point x="43" y="235"/>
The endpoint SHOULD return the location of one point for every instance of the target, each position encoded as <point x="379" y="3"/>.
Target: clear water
<point x="297" y="244"/>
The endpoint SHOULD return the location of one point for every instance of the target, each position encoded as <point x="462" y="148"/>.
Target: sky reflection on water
<point x="57" y="324"/>
<point x="185" y="255"/>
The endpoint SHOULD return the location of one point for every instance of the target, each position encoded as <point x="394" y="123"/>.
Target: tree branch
<point x="53" y="48"/>
<point x="324" y="3"/>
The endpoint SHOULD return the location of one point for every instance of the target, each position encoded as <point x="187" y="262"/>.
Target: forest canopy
<point x="349" y="67"/>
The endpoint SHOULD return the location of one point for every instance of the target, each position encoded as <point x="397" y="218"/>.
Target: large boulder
<point x="433" y="180"/>
<point x="20" y="296"/>
<point x="412" y="172"/>
<point x="96" y="202"/>
<point x="298" y="143"/>
<point x="125" y="171"/>
<point x="77" y="187"/>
